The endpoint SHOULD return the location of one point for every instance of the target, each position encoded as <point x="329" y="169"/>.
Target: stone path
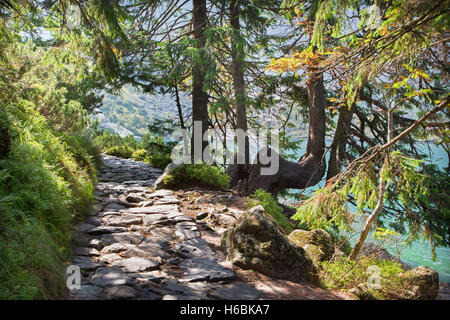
<point x="138" y="245"/>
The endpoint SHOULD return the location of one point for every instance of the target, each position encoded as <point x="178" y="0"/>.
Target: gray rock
<point x="153" y="218"/>
<point x="106" y="277"/>
<point x="136" y="264"/>
<point x="106" y="229"/>
<point x="145" y="277"/>
<point x="86" y="263"/>
<point x="204" y="269"/>
<point x="182" y="218"/>
<point x="148" y="251"/>
<point x="110" y="258"/>
<point x="123" y="220"/>
<point x="194" y="248"/>
<point x="167" y="200"/>
<point x="186" y="231"/>
<point x="115" y="248"/>
<point x="161" y="193"/>
<point x="135" y="198"/>
<point x="257" y="242"/>
<point x="96" y="243"/>
<point x="125" y="237"/>
<point x="169" y="208"/>
<point x="120" y="293"/>
<point x="86" y="292"/>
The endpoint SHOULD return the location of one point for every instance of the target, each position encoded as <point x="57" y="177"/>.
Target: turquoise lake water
<point x="419" y="253"/>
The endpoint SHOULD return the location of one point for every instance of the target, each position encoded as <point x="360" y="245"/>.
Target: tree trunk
<point x="199" y="96"/>
<point x="237" y="57"/>
<point x="339" y="141"/>
<point x="311" y="167"/>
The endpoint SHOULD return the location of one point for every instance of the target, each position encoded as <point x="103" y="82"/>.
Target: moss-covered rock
<point x="257" y="242"/>
<point x="422" y="283"/>
<point x="317" y="243"/>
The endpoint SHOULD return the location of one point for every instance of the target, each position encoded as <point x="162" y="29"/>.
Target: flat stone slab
<point x="110" y="258"/>
<point x="197" y="247"/>
<point x="120" y="293"/>
<point x="169" y="208"/>
<point x="86" y="292"/>
<point x="122" y="220"/>
<point x="106" y="229"/>
<point x="86" y="263"/>
<point x="204" y="269"/>
<point x="136" y="264"/>
<point x="115" y="248"/>
<point x="111" y="276"/>
<point x="153" y="276"/>
<point x="153" y="218"/>
<point x="148" y="251"/>
<point x="161" y="193"/>
<point x="235" y="291"/>
<point x="186" y="231"/>
<point x="125" y="237"/>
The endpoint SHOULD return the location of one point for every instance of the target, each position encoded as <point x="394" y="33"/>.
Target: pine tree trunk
<point x="237" y="56"/>
<point x="199" y="96"/>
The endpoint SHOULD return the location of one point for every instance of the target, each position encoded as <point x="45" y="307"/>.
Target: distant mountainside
<point x="132" y="111"/>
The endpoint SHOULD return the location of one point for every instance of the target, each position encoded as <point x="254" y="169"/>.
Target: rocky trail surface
<point x="140" y="244"/>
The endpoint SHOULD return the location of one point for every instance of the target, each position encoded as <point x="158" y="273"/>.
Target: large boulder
<point x="257" y="242"/>
<point x="317" y="244"/>
<point x="159" y="183"/>
<point x="422" y="283"/>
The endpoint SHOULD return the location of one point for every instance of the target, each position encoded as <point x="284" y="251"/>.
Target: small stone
<point x="96" y="243"/>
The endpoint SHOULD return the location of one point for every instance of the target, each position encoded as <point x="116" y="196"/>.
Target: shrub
<point x="197" y="175"/>
<point x="140" y="155"/>
<point x="343" y="273"/>
<point x="120" y="151"/>
<point x="261" y="197"/>
<point x="160" y="160"/>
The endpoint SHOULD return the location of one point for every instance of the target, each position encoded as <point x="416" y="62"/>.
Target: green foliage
<point x="261" y="197"/>
<point x="47" y="175"/>
<point x="120" y="151"/>
<point x="197" y="175"/>
<point x="343" y="273"/>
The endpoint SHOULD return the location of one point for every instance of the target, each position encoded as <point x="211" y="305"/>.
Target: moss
<point x="261" y="197"/>
<point x="196" y="175"/>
